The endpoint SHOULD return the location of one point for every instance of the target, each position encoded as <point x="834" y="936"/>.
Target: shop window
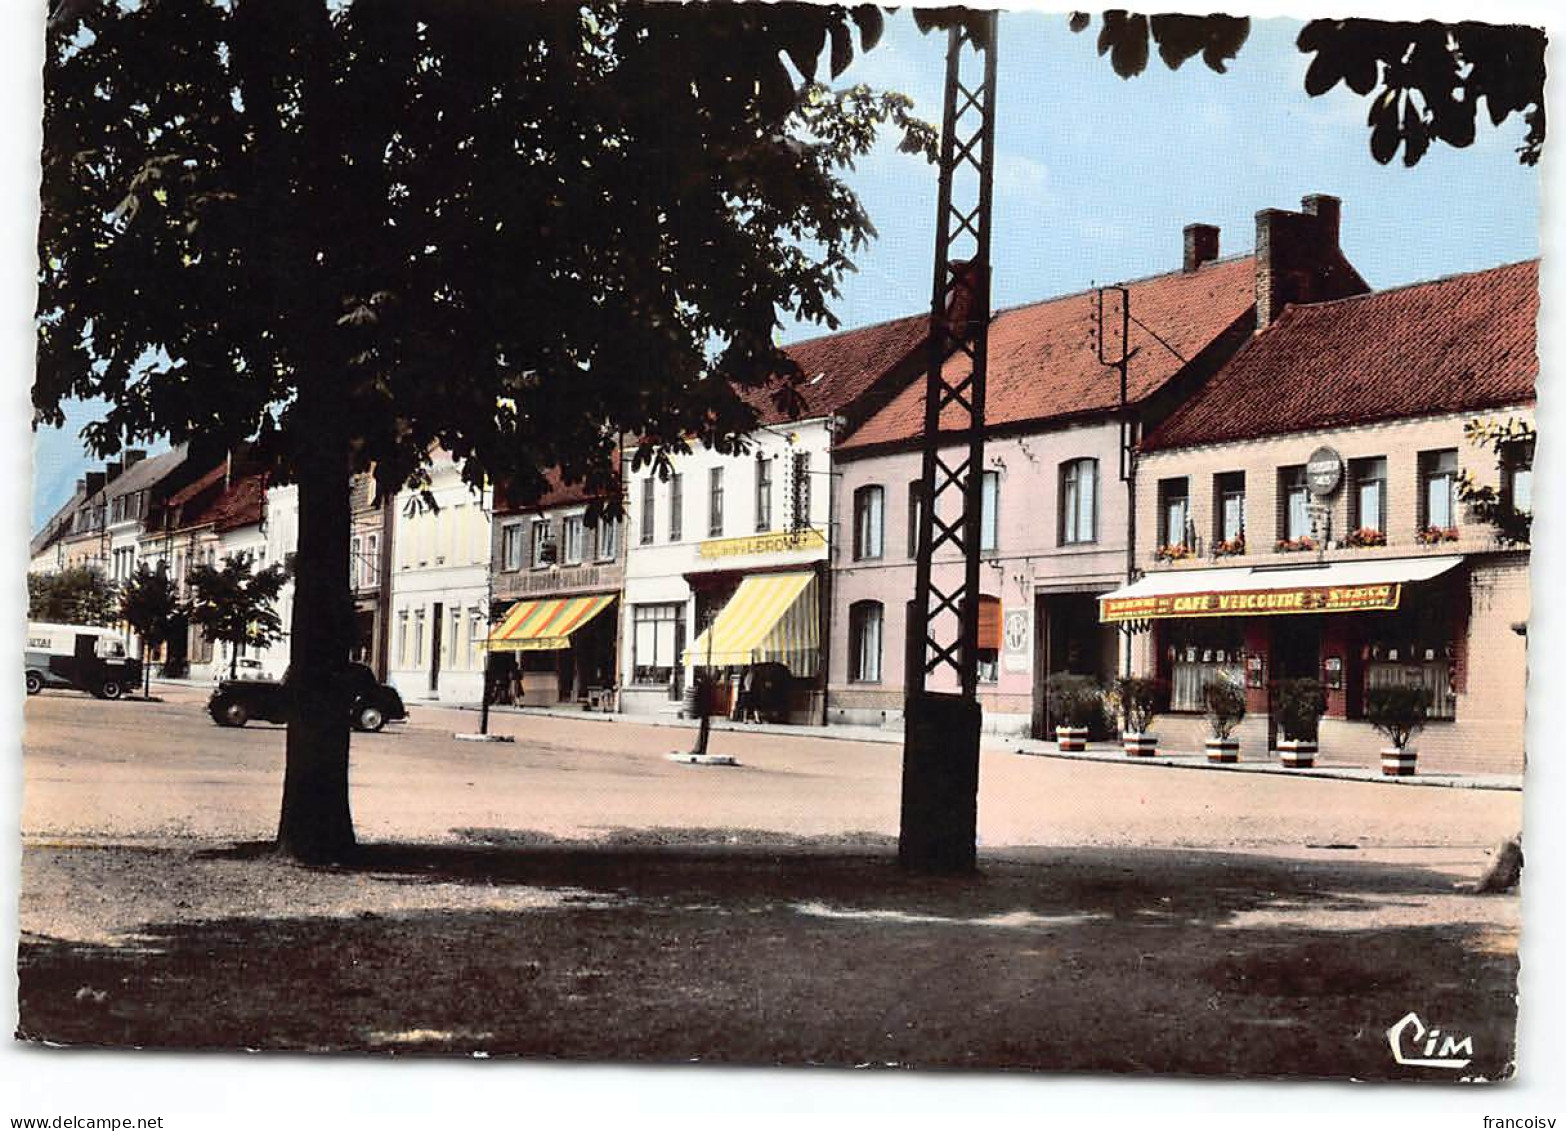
<point x="657" y="636"/>
<point x="571" y="538"/>
<point x="763" y="495"/>
<point x="989" y="512"/>
<point x="676" y="506"/>
<point x="1294" y="504"/>
<point x="1369" y="498"/>
<point x="915" y="508"/>
<point x="1079" y="501"/>
<point x="1229" y="511"/>
<point x="865" y="619"/>
<point x="1438" y="489"/>
<point x="1174" y="512"/>
<point x="649" y="515"/>
<point x="1413" y="664"/>
<point x="1198" y="653"/>
<point x="715" y="503"/>
<point x="989" y="639"/>
<point x="869" y="522"/>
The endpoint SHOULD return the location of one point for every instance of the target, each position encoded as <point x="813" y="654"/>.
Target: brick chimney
<point x="95" y="482"/>
<point x="111" y="471"/>
<point x="1299" y="258"/>
<point x="133" y="456"/>
<point x="1201" y="246"/>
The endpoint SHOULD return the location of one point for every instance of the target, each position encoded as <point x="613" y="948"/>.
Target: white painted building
<point x="695" y="538"/>
<point x="440" y="589"/>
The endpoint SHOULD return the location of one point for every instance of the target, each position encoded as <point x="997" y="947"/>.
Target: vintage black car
<point x="236" y="701"/>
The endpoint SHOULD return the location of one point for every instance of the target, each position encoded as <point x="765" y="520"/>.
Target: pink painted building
<point x="1059" y="510"/>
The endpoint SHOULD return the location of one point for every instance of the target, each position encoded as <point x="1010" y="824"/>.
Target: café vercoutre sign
<point x="1323" y="472"/>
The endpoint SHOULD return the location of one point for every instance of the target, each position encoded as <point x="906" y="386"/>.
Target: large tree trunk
<point x="316" y="824"/>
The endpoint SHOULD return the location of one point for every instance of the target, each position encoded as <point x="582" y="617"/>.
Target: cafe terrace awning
<point x="546" y="625"/>
<point x="1317" y="587"/>
<point x="772" y="617"/>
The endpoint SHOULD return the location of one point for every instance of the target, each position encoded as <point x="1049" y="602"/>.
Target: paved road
<point x="135" y="770"/>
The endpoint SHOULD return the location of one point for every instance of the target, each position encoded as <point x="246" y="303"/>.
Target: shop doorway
<point x="1069" y="638"/>
<point x="1296" y="654"/>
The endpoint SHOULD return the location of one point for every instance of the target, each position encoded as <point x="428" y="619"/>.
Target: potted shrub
<point x="1075" y="701"/>
<point x="1136" y="700"/>
<point x="1300" y="705"/>
<point x="1225" y="702"/>
<point x="1398" y="712"/>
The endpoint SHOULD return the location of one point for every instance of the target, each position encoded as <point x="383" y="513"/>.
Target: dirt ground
<point x="577" y="895"/>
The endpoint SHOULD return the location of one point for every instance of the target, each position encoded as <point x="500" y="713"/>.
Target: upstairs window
<point x="1517" y="477"/>
<point x="648" y="514"/>
<point x="1229" y="510"/>
<point x="543" y="546"/>
<point x="1079" y="501"/>
<point x="571" y="539"/>
<point x="989" y="511"/>
<point x="1369" y="500"/>
<point x="763" y="495"/>
<point x="511" y="546"/>
<point x="800" y="490"/>
<point x="1294" y="504"/>
<point x="676" y="507"/>
<point x="608" y="538"/>
<point x="1174" y="512"/>
<point x="869" y="522"/>
<point x="1438" y="489"/>
<point x="915" y="515"/>
<point x="715" y="503"/>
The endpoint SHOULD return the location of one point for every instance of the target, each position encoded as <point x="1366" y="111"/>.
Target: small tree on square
<point x="150" y="605"/>
<point x="233" y="604"/>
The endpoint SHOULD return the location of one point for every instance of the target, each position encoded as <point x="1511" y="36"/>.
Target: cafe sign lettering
<point x="1252" y="602"/>
<point x="1323" y="472"/>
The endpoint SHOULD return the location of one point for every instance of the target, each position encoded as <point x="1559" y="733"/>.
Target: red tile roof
<point x="1043" y="363"/>
<point x="1451" y="345"/>
<point x="839" y="368"/>
<point x="558" y="494"/>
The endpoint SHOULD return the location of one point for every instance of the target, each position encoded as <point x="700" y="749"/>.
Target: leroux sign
<point x="787" y="540"/>
<point x="1253" y="602"/>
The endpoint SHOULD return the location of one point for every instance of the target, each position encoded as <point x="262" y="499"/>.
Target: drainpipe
<point x="1130" y="537"/>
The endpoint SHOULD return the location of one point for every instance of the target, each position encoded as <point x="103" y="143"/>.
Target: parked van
<point x="81" y="656"/>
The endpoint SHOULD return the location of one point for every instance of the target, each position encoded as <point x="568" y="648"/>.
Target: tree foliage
<point x="518" y="230"/>
<point x="234" y="603"/>
<point x="149" y="603"/>
<point x="1425" y="81"/>
<point x="1512" y="440"/>
<point x="78" y="595"/>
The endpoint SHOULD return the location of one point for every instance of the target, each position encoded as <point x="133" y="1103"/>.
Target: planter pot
<point x="1071" y="740"/>
<point x="1397" y="763"/>
<point x="1223" y="749"/>
<point x="1140" y="744"/>
<point x="1297" y="753"/>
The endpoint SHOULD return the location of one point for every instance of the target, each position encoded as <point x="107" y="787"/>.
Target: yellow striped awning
<point x="772" y="617"/>
<point x="547" y="624"/>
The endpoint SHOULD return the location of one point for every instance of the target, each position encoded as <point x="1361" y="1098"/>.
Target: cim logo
<point x="1413" y="1044"/>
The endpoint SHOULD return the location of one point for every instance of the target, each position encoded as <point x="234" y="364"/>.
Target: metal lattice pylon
<point x="944" y="617"/>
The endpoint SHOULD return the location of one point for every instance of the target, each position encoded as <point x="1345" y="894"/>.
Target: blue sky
<point x="1097" y="175"/>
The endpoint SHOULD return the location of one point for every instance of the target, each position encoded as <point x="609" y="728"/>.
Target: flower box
<point x="1365" y="536"/>
<point x="1295" y="545"/>
<point x="1396" y="763"/>
<point x="1139" y="744"/>
<point x="1229" y="548"/>
<point x="1222" y="750"/>
<point x="1174" y="552"/>
<point x="1435" y="535"/>
<point x="1071" y="740"/>
<point x="1296" y="753"/>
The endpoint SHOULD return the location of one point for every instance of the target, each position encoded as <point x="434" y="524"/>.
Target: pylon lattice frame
<point x="943" y="622"/>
